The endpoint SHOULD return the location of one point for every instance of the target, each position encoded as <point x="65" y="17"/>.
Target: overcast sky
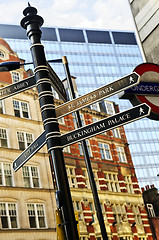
<point x="100" y="14"/>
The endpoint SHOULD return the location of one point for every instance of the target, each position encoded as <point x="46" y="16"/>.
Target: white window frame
<point x="3" y="170"/>
<point x="116" y="133"/>
<point x="95" y="107"/>
<point x="93" y="211"/>
<point x="112" y="181"/>
<point x="94" y="119"/>
<point x="31" y="177"/>
<point x="86" y="178"/>
<point x="9" y="216"/>
<point x="71" y="176"/>
<point x="129" y="184"/>
<point x="82" y="120"/>
<point x="78" y="208"/>
<point x="26" y="144"/>
<point x="6" y="134"/>
<point x="102" y="146"/>
<point x="16" y="76"/>
<point x="36" y="215"/>
<point x="55" y="94"/>
<point x="2" y="106"/>
<point x="137" y="215"/>
<point x="121" y="154"/>
<point x="83" y="238"/>
<point x="95" y="172"/>
<point x="61" y="121"/>
<point x="67" y="149"/>
<point x="150" y="210"/>
<point x="119" y="212"/>
<point x="21" y="108"/>
<point x="88" y="148"/>
<point x="109" y="107"/>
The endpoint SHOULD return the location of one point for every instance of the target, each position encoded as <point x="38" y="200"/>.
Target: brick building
<point x="27" y="197"/>
<point x="151" y="200"/>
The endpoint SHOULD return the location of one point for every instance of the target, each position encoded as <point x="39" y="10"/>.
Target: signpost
<point x="43" y="79"/>
<point x="98" y="94"/>
<point x="147" y="90"/>
<point x="32" y="23"/>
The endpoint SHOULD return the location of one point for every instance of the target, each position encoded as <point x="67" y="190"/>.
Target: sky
<point x="95" y="14"/>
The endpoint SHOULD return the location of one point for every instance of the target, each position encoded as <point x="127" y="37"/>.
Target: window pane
<point x="35" y="176"/>
<point x="3" y="137"/>
<point x="40" y="213"/>
<point x="4" y="222"/>
<point x="32" y="222"/>
<point x="13" y="215"/>
<point x="1" y="178"/>
<point x="7" y="174"/>
<point x="31" y="214"/>
<point x="24" y="107"/>
<point x="26" y="176"/>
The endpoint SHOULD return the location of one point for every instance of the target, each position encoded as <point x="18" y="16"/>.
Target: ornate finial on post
<point x="31" y="16"/>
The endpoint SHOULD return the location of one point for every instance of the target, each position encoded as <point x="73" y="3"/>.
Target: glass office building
<point x="97" y="57"/>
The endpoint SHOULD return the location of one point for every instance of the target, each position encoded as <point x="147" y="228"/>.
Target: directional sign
<point x="76" y="104"/>
<point x="85" y="132"/>
<point x="18" y="87"/>
<point x="98" y="94"/>
<point x="56" y="83"/>
<point x="29" y="152"/>
<point x="147" y="91"/>
<point x="30" y="82"/>
<point x="105" y="124"/>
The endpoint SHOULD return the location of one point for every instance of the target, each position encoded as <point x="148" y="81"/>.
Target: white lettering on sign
<point x="5" y="91"/>
<point x="83" y="101"/>
<point x="85" y="132"/>
<point x="21" y="85"/>
<point x="146" y="88"/>
<point x="119" y="119"/>
<point x="106" y="90"/>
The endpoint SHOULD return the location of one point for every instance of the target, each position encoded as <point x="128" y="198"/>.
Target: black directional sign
<point x="98" y="94"/>
<point x="105" y="124"/>
<point x="56" y="83"/>
<point x="29" y="152"/>
<point x="18" y="87"/>
<point x="30" y="82"/>
<point x="85" y="132"/>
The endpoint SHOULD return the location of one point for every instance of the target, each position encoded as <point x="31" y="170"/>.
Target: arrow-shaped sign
<point x="18" y="87"/>
<point x="98" y="94"/>
<point x="85" y="132"/>
<point x="30" y="82"/>
<point x="29" y="151"/>
<point x="56" y="83"/>
<point x="105" y="124"/>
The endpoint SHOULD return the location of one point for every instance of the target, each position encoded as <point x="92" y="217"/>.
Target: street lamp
<point x="10" y="66"/>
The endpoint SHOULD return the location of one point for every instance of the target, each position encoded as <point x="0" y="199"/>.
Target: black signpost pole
<point x="32" y="23"/>
<point x="86" y="155"/>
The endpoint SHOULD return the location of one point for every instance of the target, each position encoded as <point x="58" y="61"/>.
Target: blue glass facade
<point x="97" y="57"/>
